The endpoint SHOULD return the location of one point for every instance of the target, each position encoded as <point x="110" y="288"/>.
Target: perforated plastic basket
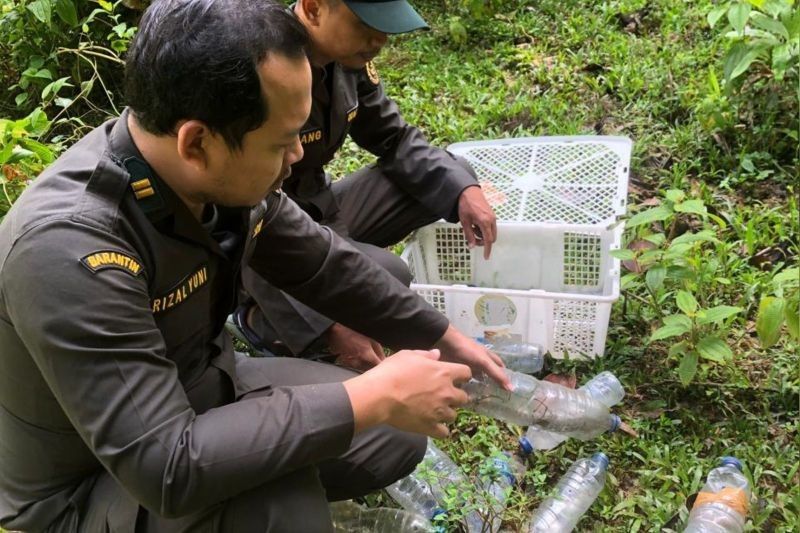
<point x="551" y="279"/>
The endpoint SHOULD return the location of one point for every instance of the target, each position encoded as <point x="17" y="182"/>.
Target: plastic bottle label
<point x="733" y="497"/>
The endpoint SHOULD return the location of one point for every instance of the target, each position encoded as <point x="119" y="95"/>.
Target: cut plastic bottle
<point x="604" y="387"/>
<point x="517" y="356"/>
<point x="424" y="491"/>
<point x="572" y="497"/>
<point x="349" y="517"/>
<point x="722" y="504"/>
<point x="550" y="406"/>
<point x="509" y="470"/>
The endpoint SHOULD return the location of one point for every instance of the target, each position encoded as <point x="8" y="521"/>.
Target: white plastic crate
<point x="551" y="279"/>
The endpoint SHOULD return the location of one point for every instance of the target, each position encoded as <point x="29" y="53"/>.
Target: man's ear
<point x="312" y="10"/>
<point x="194" y="138"/>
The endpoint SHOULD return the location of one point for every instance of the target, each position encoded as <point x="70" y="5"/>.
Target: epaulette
<point x="144" y="186"/>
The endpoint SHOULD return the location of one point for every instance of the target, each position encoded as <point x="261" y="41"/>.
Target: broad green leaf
<point x="719" y="220"/>
<point x="792" y="315"/>
<point x="738" y="60"/>
<point x="37" y="121"/>
<point x="790" y="276"/>
<point x="769" y="319"/>
<point x="769" y="24"/>
<point x="651" y="215"/>
<point x="108" y="6"/>
<point x="738" y="15"/>
<point x="716" y="314"/>
<point x="629" y="281"/>
<point x="67" y="12"/>
<point x="681" y="320"/>
<point x="42" y="10"/>
<point x="688" y="367"/>
<point x="679" y="272"/>
<point x="43" y="73"/>
<point x="5" y="154"/>
<point x="656" y="238"/>
<point x="42" y="150"/>
<point x="705" y="235"/>
<point x="686" y="302"/>
<point x="714" y="349"/>
<point x="665" y="332"/>
<point x="715" y="14"/>
<point x="675" y="195"/>
<point x="655" y="277"/>
<point x="623" y="255"/>
<point x="677" y="349"/>
<point x="691" y="206"/>
<point x="21" y="98"/>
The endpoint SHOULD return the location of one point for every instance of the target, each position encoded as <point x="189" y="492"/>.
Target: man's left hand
<point x="455" y="347"/>
<point x="477" y="219"/>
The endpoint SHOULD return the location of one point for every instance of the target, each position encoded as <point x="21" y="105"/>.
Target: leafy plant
<point x="677" y="272"/>
<point x="781" y="307"/>
<point x="768" y="34"/>
<point x="22" y="156"/>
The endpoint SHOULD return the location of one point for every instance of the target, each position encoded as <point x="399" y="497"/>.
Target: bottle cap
<point x="525" y="446"/>
<point x="601" y="459"/>
<point x="615" y="422"/>
<point x="731" y="461"/>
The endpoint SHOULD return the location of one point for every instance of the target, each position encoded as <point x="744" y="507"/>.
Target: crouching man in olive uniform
<point x="122" y="404"/>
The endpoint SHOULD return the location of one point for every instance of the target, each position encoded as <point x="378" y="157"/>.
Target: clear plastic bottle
<point x="517" y="356"/>
<point x="508" y="470"/>
<point x="551" y="406"/>
<point x="604" y="387"/>
<point x="573" y="495"/>
<point x="349" y="517"/>
<point x="424" y="490"/>
<point x="722" y="504"/>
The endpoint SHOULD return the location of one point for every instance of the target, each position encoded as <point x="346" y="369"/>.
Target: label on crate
<point x="495" y="310"/>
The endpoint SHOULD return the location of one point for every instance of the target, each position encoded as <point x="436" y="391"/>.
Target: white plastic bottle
<point x="604" y="387"/>
<point x="349" y="517"/>
<point x="573" y="495"/>
<point x="721" y="506"/>
<point x="548" y="405"/>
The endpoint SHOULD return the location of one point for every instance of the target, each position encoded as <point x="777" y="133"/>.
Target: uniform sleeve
<point x="319" y="268"/>
<point x="429" y="174"/>
<point x="93" y="337"/>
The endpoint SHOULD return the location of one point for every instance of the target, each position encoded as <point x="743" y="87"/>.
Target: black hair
<point x="198" y="59"/>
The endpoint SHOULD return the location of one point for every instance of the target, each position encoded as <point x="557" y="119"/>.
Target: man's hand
<point x="411" y="391"/>
<point x="477" y="219"/>
<point x="458" y="348"/>
<point x="353" y="350"/>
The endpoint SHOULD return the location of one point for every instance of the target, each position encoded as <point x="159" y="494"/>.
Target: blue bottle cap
<point x="615" y="422"/>
<point x="525" y="446"/>
<point x="601" y="459"/>
<point x="731" y="461"/>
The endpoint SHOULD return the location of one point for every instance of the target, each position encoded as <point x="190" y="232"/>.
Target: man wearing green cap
<point x="412" y="183"/>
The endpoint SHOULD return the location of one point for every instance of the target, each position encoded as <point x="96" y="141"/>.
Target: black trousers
<point x="296" y="502"/>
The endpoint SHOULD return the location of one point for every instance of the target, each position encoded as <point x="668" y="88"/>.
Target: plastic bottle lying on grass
<point x="604" y="387"/>
<point x="508" y="471"/>
<point x="573" y="495"/>
<point x="424" y="491"/>
<point x="721" y="506"/>
<point x="517" y="356"/>
<point x="349" y="517"/>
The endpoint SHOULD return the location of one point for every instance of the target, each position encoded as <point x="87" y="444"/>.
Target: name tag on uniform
<point x="311" y="136"/>
<point x="182" y="291"/>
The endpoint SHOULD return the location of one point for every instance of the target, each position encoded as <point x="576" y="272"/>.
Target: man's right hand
<point x="410" y="390"/>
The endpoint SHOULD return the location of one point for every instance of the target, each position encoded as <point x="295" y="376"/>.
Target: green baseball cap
<point x="388" y="16"/>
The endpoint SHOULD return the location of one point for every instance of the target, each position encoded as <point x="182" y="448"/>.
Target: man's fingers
<point x="496" y="358"/>
<point x="489" y="232"/>
<point x="498" y="374"/>
<point x="469" y="234"/>
<point x="378" y="349"/>
<point x="460" y="397"/>
<point x="440" y="432"/>
<point x="430" y="354"/>
<point x="459" y="373"/>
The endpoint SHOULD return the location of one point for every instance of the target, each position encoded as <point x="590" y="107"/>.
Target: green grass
<point x="563" y="68"/>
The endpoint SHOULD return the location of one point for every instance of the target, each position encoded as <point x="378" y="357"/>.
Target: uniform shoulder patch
<point x="372" y="73"/>
<point x="103" y="259"/>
